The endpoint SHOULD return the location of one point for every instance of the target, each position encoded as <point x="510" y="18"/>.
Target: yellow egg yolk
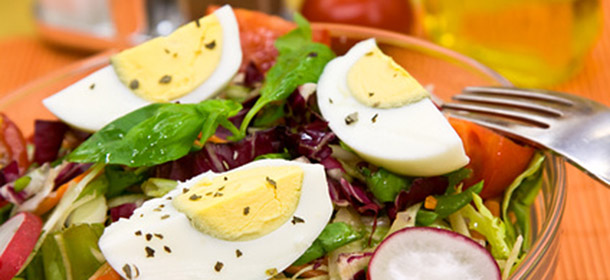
<point x="376" y="80"/>
<point x="166" y="68"/>
<point x="244" y="204"/>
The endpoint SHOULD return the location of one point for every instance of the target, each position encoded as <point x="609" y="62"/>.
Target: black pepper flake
<point x="221" y="188"/>
<point x="134" y="84"/>
<point x="148" y="236"/>
<point x="164" y="217"/>
<point x="211" y="45"/>
<point x="226" y="178"/>
<point x="185" y="190"/>
<point x="150" y="252"/>
<point x="209" y="193"/>
<point x="312" y="54"/>
<point x="297" y="220"/>
<point x="374" y="118"/>
<point x="351" y="118"/>
<point x="371" y="94"/>
<point x="158" y="235"/>
<point x="197" y="23"/>
<point x="238" y="253"/>
<point x="141" y="215"/>
<point x="218" y="266"/>
<point x="162" y="205"/>
<point x="166" y="51"/>
<point x="330" y="101"/>
<point x="167" y="249"/>
<point x="194" y="197"/>
<point x="246" y="210"/>
<point x="138" y="233"/>
<point x="127" y="270"/>
<point x="92" y="86"/>
<point x="166" y="79"/>
<point x="272" y="182"/>
<point x="169" y="198"/>
<point x="217" y="194"/>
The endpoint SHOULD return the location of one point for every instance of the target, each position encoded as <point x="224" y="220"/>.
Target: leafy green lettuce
<point x="518" y="199"/>
<point x="494" y="230"/>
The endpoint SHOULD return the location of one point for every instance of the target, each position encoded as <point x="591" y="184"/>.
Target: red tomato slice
<point x="257" y="33"/>
<point x="493" y="158"/>
<point x="12" y="144"/>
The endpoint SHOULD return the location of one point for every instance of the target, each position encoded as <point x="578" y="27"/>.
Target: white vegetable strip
<point x="66" y="204"/>
<point x="514" y="253"/>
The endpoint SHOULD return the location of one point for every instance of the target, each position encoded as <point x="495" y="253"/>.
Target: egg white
<point x="415" y="139"/>
<point x="195" y="254"/>
<point x="100" y="98"/>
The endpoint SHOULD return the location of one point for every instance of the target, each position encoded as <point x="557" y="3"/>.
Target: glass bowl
<point x="444" y="70"/>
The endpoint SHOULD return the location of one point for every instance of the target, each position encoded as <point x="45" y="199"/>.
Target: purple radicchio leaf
<point x="360" y="199"/>
<point x="122" y="211"/>
<point x="69" y="172"/>
<point x="223" y="157"/>
<point x="48" y="136"/>
<point x="419" y="190"/>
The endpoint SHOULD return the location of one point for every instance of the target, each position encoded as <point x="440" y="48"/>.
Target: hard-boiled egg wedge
<point x="188" y="66"/>
<point x="248" y="223"/>
<point x="385" y="115"/>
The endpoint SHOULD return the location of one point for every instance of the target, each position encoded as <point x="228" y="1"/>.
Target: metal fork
<point x="573" y="127"/>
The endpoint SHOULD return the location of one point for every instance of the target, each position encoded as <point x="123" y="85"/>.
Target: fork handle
<point x="588" y="147"/>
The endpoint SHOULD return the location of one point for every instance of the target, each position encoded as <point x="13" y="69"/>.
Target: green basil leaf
<point x="156" y="133"/>
<point x="300" y="61"/>
<point x="118" y="179"/>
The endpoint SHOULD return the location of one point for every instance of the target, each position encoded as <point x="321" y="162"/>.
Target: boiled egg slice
<point x="380" y="111"/>
<point x="248" y="223"/>
<point x="188" y="66"/>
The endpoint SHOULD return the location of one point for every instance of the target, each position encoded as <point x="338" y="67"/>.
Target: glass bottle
<point x="533" y="43"/>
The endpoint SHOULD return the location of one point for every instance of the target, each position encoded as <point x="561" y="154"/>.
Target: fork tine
<point x="517" y="92"/>
<point x="515" y="130"/>
<point x="523" y="116"/>
<point x="508" y="102"/>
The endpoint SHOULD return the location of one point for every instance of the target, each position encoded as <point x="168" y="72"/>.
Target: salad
<point x="259" y="153"/>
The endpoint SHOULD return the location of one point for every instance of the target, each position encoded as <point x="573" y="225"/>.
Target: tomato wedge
<point x="12" y="145"/>
<point x="257" y="33"/>
<point x="493" y="158"/>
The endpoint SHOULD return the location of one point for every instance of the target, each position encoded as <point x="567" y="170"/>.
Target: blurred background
<point x="556" y="44"/>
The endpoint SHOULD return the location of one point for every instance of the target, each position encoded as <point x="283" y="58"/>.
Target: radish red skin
<point x="441" y="233"/>
<point x="21" y="243"/>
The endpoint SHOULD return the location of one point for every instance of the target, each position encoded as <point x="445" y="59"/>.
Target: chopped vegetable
<point x="482" y="221"/>
<point x="332" y="237"/>
<point x="494" y="158"/>
<point x="384" y="184"/>
<point x="428" y="253"/>
<point x="18" y="237"/>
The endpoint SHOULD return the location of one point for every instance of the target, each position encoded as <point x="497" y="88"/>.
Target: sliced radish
<point x="431" y="253"/>
<point x="18" y="236"/>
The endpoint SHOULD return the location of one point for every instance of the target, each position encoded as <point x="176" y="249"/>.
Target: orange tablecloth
<point x="585" y="238"/>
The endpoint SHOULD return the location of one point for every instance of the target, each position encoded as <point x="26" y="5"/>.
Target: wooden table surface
<point x="585" y="230"/>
